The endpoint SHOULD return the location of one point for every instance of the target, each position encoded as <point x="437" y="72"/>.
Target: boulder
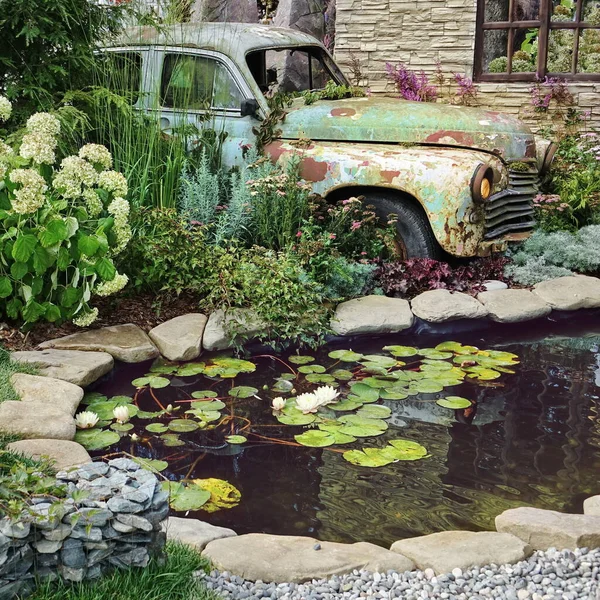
<point x="449" y="550"/>
<point x="36" y="421"/>
<point x="512" y="306"/>
<point x="372" y="314"/>
<point x="284" y="558"/>
<point x="79" y="368"/>
<point x="493" y="284"/>
<point x="181" y="337"/>
<point x="230" y="11"/>
<point x="570" y="293"/>
<point x="222" y="329"/>
<point x="591" y="506"/>
<point x="306" y="15"/>
<point x="543" y="529"/>
<point x="437" y="306"/>
<point x="46" y="390"/>
<point x="127" y="343"/>
<point x="62" y="453"/>
<point x="193" y="532"/>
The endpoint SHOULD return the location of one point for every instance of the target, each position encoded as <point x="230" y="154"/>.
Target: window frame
<point x="545" y="26"/>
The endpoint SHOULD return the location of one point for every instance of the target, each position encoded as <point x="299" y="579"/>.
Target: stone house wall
<point x="422" y="32"/>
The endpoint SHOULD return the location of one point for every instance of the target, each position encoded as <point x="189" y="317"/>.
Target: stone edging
<point x="116" y="522"/>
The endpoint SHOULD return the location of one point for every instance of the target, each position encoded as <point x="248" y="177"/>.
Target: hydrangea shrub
<point x="61" y="226"/>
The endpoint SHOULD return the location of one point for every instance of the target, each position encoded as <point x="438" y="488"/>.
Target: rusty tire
<point x="414" y="237"/>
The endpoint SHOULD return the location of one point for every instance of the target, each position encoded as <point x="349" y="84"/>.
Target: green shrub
<point x="346" y="279"/>
<point x="549" y="255"/>
<point x="62" y="226"/>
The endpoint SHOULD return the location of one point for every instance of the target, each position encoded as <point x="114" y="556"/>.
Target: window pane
<point x="560" y="50"/>
<point x="496" y="10"/>
<point x="589" y="51"/>
<point x="495" y="44"/>
<point x="563" y="10"/>
<point x="187" y="82"/>
<point x="526" y="10"/>
<point x="227" y="93"/>
<point x="525" y="50"/>
<point x="123" y="74"/>
<point x="591" y="12"/>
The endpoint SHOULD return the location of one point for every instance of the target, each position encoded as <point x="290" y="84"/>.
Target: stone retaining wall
<point x="111" y="518"/>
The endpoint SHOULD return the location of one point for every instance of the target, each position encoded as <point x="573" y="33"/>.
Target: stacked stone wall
<point x="111" y="518"/>
<point x="420" y="33"/>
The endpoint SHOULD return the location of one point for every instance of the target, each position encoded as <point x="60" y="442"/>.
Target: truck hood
<point x="390" y="120"/>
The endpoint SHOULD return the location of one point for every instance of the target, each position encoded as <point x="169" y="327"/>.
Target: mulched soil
<point x="145" y="310"/>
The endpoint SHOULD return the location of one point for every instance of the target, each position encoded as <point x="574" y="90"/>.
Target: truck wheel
<point x="414" y="236"/>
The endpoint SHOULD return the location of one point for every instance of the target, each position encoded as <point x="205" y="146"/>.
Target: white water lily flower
<point x="86" y="419"/>
<point x="307" y="403"/>
<point x="326" y="395"/>
<point x="278" y="403"/>
<point x="121" y="414"/>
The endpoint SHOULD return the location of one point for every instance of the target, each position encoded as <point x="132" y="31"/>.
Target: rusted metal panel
<point x="390" y="120"/>
<point x="438" y="178"/>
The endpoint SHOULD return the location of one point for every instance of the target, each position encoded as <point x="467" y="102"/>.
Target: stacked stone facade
<point x="420" y="33"/>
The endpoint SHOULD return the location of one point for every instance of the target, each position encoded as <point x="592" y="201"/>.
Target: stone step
<point x="47" y="390"/>
<point x="36" y="421"/>
<point x="64" y="454"/>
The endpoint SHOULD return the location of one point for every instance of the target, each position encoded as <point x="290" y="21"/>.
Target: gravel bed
<point x="550" y="575"/>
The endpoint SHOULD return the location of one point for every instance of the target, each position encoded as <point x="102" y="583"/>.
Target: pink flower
<point x="299" y="234"/>
<point x="355" y="225"/>
<point x="332" y="236"/>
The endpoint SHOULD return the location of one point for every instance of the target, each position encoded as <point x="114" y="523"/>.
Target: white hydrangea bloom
<point x="5" y="152"/>
<point x="119" y="207"/>
<point x="43" y="124"/>
<point x="86" y="319"/>
<point x="113" y="181"/>
<point x="74" y="173"/>
<point x="92" y="202"/>
<point x="30" y="197"/>
<point x="96" y="154"/>
<point x="108" y="288"/>
<point x="5" y="108"/>
<point x="39" y="148"/>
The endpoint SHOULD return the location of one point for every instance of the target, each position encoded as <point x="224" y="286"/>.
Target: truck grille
<point x="511" y="210"/>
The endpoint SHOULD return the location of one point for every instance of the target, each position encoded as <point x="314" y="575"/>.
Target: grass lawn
<point x="174" y="581"/>
<point x="7" y="368"/>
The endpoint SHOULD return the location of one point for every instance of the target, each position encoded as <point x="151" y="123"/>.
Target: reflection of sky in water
<point x="533" y="440"/>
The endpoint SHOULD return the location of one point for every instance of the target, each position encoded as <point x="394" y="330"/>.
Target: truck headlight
<point x="482" y="183"/>
<point x="548" y="158"/>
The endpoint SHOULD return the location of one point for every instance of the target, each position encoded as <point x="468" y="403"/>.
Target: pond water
<point x="531" y="437"/>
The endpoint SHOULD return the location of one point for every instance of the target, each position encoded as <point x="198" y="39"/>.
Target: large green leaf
<point x="191" y="369"/>
<point x="292" y="416"/>
<point x="182" y="425"/>
<point x="96" y="439"/>
<point x="322" y="378"/>
<point x="209" y="404"/>
<point x="365" y="392"/>
<point x="6" y="288"/>
<point x="401" y="351"/>
<point x="454" y="402"/>
<point x="152" y="381"/>
<point x="369" y="457"/>
<point x="394" y="393"/>
<point x="402" y="449"/>
<point x="151" y="464"/>
<point x="345" y="355"/>
<point x="428" y="386"/>
<point x="106" y="269"/>
<point x="236" y="439"/>
<point x="183" y="498"/>
<point x="342" y="374"/>
<point x="347" y="404"/>
<point x="88" y="245"/>
<point x="204" y="394"/>
<point x="300" y="360"/>
<point x="312" y="369"/>
<point x="23" y="247"/>
<point x="374" y="411"/>
<point x="242" y="391"/>
<point x="377" y="360"/>
<point x="156" y="428"/>
<point x="315" y="438"/>
<point x="54" y="232"/>
<point x="226" y="367"/>
<point x="171" y="440"/>
<point x="104" y="409"/>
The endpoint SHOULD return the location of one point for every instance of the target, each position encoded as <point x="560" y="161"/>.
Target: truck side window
<point x="198" y="83"/>
<point x="122" y="73"/>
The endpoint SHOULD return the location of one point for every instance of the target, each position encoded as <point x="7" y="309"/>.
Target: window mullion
<point x="543" y="37"/>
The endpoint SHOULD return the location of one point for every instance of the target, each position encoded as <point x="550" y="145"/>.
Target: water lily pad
<point x="151" y="464"/>
<point x="93" y="397"/>
<point x="405" y="450"/>
<point x="171" y="439"/>
<point x="345" y="355"/>
<point x="164" y="369"/>
<point x="287" y="376"/>
<point x="96" y="439"/>
<point x="104" y="410"/>
<point x="435" y="365"/>
<point x="346" y="404"/>
<point x="120" y="400"/>
<point x="293" y="416"/>
<point x="374" y="369"/>
<point x="121" y="427"/>
<point x="379" y="360"/>
<point x="153" y="381"/>
<point x="236" y="439"/>
<point x="380" y="382"/>
<point x="434" y="354"/>
<point x="209" y="405"/>
<point x="243" y="391"/>
<point x="301" y="360"/>
<point x="365" y="392"/>
<point x="374" y="411"/>
<point x="401" y="351"/>
<point x="312" y="369"/>
<point x="361" y="430"/>
<point x="156" y="428"/>
<point x="223" y="494"/>
<point x="182" y="425"/>
<point x="369" y="457"/>
<point x="322" y="378"/>
<point x="394" y="393"/>
<point x="205" y="416"/>
<point x="204" y="394"/>
<point x="283" y="385"/>
<point x="454" y="402"/>
<point x="228" y="368"/>
<point x="456" y="347"/>
<point x="342" y="374"/>
<point x="185" y="497"/>
<point x="482" y="374"/>
<point x="143" y="414"/>
<point x="314" y="438"/>
<point x="191" y="369"/>
<point x="428" y="386"/>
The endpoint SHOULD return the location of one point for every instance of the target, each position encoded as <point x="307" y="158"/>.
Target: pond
<point x="459" y="434"/>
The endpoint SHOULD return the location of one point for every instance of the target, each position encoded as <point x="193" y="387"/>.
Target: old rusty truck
<point x="460" y="179"/>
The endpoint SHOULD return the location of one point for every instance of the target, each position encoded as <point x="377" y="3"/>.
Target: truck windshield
<point x="298" y="69"/>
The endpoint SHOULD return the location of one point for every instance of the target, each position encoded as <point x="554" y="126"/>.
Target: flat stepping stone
<point x="193" y="532"/>
<point x="79" y="368"/>
<point x="513" y="306"/>
<point x="570" y="293"/>
<point x="244" y="322"/>
<point x="36" y="421"/>
<point x="543" y="529"/>
<point x="437" y="306"/>
<point x="127" y="343"/>
<point x="372" y="314"/>
<point x="62" y="453"/>
<point x="295" y="559"/>
<point x="180" y="339"/>
<point x="46" y="390"/>
<point x="449" y="550"/>
<point x="591" y="506"/>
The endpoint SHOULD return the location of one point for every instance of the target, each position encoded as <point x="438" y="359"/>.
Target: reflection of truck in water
<point x="460" y="179"/>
